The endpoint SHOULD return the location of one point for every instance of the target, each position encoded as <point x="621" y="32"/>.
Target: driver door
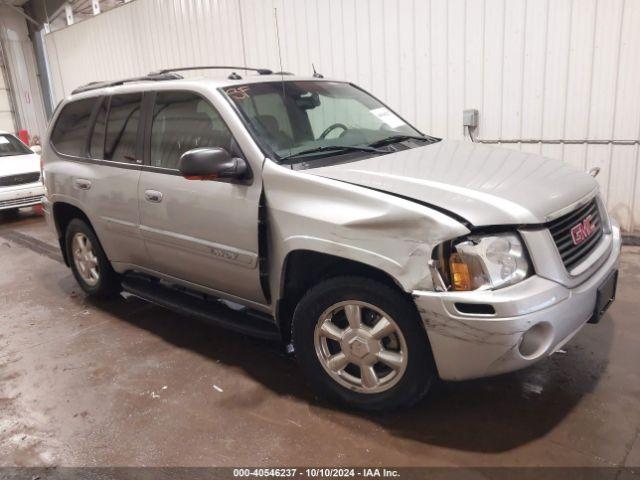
<point x="204" y="233"/>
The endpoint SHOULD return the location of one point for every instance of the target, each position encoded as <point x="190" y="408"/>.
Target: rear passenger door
<point x="99" y="142"/>
<point x="201" y="232"/>
<point x="116" y="150"/>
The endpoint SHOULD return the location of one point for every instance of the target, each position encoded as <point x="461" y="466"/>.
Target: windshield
<point x="297" y="118"/>
<point x="10" y="145"/>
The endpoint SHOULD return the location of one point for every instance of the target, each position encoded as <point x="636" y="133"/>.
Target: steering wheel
<point x="331" y="128"/>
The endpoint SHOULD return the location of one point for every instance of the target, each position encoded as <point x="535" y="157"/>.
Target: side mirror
<point x="211" y="164"/>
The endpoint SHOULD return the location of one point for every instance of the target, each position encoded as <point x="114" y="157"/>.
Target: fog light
<point x="536" y="340"/>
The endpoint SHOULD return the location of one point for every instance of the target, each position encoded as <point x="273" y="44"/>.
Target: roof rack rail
<point x="154" y="77"/>
<point x="261" y="71"/>
<point x="164" y="74"/>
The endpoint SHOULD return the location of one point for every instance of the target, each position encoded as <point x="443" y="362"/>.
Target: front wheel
<point x="361" y="342"/>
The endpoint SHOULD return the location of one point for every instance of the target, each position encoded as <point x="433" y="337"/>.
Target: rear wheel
<point x="361" y="343"/>
<point x="89" y="263"/>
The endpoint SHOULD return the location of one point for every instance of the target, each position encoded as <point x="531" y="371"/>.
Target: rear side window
<point x="69" y="135"/>
<point x="182" y="121"/>
<point x="122" y="128"/>
<point x="96" y="147"/>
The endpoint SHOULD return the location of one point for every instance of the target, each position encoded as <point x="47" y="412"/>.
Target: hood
<point x="482" y="184"/>
<point x="15" y="164"/>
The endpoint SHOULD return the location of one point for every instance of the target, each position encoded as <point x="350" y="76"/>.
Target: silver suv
<point x="304" y="209"/>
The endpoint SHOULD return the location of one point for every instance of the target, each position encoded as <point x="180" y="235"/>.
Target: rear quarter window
<point x="69" y="135"/>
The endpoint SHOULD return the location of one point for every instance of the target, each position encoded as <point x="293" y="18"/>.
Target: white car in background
<point x="20" y="179"/>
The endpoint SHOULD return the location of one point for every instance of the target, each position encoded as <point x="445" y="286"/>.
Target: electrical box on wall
<point x="470" y="118"/>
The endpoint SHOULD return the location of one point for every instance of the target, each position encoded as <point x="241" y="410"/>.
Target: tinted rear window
<point x="69" y="134"/>
<point x="96" y="147"/>
<point x="122" y="128"/>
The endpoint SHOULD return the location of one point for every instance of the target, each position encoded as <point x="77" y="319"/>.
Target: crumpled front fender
<point x="395" y="235"/>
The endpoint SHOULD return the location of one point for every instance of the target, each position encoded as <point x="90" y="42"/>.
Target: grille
<point x="19" y="179"/>
<point x="560" y="229"/>
<point x="19" y="202"/>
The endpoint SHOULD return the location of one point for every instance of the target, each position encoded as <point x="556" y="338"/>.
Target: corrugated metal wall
<point x="536" y="69"/>
<point x="22" y="77"/>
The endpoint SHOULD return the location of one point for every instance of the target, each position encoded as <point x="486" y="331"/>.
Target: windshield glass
<point x="297" y="116"/>
<point x="10" y="145"/>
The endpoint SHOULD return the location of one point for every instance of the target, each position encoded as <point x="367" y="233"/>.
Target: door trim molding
<point x="225" y="253"/>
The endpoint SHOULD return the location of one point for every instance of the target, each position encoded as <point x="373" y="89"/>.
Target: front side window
<point x="296" y="116"/>
<point x="69" y="135"/>
<point x="183" y="121"/>
<point x="122" y="128"/>
<point x="10" y="146"/>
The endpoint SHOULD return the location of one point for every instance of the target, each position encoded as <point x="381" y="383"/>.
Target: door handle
<point x="82" y="184"/>
<point x="153" y="196"/>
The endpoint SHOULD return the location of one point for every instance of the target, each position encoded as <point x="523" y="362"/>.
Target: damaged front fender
<point x="395" y="235"/>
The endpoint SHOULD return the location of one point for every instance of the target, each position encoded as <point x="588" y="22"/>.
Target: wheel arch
<point x="303" y="268"/>
<point x="63" y="213"/>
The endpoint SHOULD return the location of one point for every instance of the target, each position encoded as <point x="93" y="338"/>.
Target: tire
<point x="11" y="213"/>
<point x="322" y="350"/>
<point x="100" y="281"/>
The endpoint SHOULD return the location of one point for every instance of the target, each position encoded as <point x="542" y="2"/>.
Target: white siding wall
<point x="551" y="69"/>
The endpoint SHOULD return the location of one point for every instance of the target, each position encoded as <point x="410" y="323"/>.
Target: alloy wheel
<point x="360" y="347"/>
<point x="85" y="259"/>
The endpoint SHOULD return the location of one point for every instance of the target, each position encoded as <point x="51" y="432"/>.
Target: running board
<point x="194" y="304"/>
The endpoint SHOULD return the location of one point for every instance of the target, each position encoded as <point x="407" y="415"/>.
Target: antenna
<point x="275" y="15"/>
<point x="316" y="74"/>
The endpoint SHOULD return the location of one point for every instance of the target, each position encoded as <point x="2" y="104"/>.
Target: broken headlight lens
<point x="488" y="262"/>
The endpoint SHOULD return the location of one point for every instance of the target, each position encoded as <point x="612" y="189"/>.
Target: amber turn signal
<point x="460" y="278"/>
<point x="201" y="177"/>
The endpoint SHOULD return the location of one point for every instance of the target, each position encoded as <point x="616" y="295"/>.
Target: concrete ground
<point x="127" y="383"/>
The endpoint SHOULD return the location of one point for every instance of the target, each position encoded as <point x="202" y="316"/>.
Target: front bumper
<point x="21" y="196"/>
<point x="478" y="345"/>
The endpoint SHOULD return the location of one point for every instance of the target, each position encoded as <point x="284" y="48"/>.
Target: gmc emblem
<point x="582" y="231"/>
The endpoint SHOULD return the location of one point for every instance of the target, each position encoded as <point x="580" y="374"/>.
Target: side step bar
<point x="244" y="320"/>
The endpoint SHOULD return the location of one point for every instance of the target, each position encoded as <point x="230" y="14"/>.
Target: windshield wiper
<point x="400" y="138"/>
<point x="333" y="148"/>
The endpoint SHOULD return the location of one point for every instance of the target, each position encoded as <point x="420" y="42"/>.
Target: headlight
<point x="487" y="262"/>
